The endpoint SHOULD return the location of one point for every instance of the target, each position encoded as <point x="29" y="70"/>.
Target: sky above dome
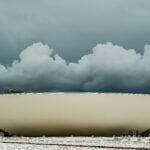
<point x="72" y="27"/>
<point x="75" y="45"/>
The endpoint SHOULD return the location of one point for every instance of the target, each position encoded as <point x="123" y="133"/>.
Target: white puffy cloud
<point x="108" y="68"/>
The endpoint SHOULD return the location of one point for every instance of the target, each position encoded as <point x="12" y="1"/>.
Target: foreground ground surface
<point x="73" y="143"/>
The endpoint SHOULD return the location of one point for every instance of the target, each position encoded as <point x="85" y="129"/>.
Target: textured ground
<point x="73" y="143"/>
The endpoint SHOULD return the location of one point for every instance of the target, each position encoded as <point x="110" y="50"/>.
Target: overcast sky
<point x="72" y="27"/>
<point x="78" y="32"/>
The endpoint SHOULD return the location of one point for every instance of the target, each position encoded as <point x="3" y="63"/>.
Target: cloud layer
<point x="108" y="68"/>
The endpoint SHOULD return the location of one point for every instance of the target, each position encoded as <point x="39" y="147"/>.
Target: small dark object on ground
<point x="12" y="91"/>
<point x="133" y="133"/>
<point x="4" y="133"/>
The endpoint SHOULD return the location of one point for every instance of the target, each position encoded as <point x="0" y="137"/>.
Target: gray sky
<point x="75" y="29"/>
<point x="72" y="27"/>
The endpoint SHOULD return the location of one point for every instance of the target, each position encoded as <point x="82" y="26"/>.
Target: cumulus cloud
<point x="108" y="68"/>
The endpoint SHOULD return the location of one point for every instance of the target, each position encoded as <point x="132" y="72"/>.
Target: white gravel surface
<point x="73" y="143"/>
